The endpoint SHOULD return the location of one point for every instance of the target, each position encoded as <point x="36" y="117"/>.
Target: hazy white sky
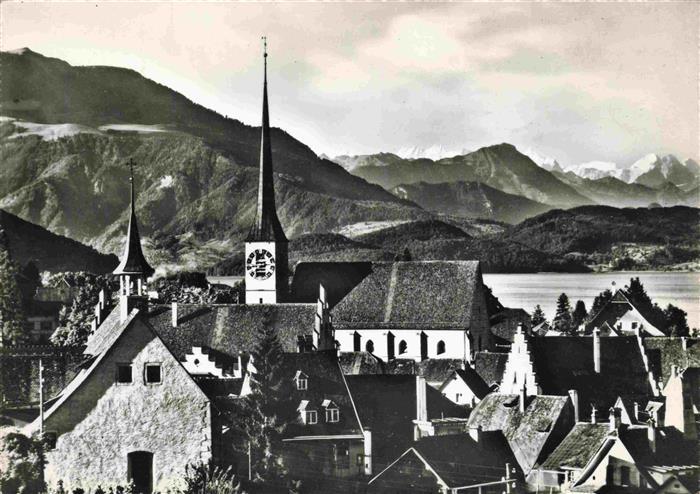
<point x="575" y="81"/>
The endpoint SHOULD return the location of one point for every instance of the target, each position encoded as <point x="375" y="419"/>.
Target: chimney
<point x="593" y="414"/>
<point x="636" y="411"/>
<point x="614" y="420"/>
<point x="173" y="312"/>
<point x="651" y="435"/>
<point x="684" y="343"/>
<point x="573" y="395"/>
<point x="596" y="350"/>
<point x="102" y="299"/>
<point x="421" y="405"/>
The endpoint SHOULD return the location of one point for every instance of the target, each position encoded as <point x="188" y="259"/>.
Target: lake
<point x="528" y="290"/>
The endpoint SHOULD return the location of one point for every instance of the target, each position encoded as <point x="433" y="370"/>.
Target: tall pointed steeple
<point x="133" y="261"/>
<point x="266" y="226"/>
<point x="266" y="249"/>
<point x="133" y="268"/>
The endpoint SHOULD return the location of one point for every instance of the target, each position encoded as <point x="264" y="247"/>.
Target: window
<point x="440" y="347"/>
<point x="311" y="417"/>
<point x="332" y="415"/>
<point x="356" y="342"/>
<point x="302" y="384"/>
<point x="634" y="325"/>
<point x="369" y="346"/>
<point x="342" y="455"/>
<point x="625" y="475"/>
<point x="124" y="374"/>
<point x="153" y="374"/>
<point x="458" y="397"/>
<point x="403" y="347"/>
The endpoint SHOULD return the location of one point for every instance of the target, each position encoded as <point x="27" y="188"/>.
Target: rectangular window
<point x="311" y="417"/>
<point x="153" y="374"/>
<point x="625" y="476"/>
<point x="634" y="325"/>
<point x="124" y="374"/>
<point x="302" y="384"/>
<point x="332" y="415"/>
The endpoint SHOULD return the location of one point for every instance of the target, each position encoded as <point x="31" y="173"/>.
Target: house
<point x="620" y="316"/>
<point x="593" y="366"/>
<point x="532" y="425"/>
<point x="668" y="351"/>
<point x="465" y="387"/>
<point x="598" y="457"/>
<point x="397" y="409"/>
<point x="415" y="310"/>
<point x="446" y="463"/>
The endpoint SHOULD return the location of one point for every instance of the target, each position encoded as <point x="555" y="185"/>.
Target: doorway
<point x="140" y="471"/>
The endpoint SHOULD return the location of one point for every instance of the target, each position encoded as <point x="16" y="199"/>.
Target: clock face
<point x="260" y="264"/>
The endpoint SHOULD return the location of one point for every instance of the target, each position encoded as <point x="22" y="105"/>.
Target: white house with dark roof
<point x="620" y="316"/>
<point x="415" y="310"/>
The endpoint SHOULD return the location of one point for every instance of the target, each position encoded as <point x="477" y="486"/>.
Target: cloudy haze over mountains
<point x="578" y="81"/>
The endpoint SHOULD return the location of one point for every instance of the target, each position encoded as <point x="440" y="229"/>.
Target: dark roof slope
<point x="490" y="366"/>
<point x="231" y="329"/>
<point x="325" y="381"/>
<point x="528" y="432"/>
<point x="665" y="352"/>
<point x="472" y="380"/>
<point x="563" y="363"/>
<point x="505" y="323"/>
<point x="578" y="447"/>
<point x="338" y="278"/>
<point x="434" y="294"/>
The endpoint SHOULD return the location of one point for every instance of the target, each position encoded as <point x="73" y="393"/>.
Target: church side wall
<point x="454" y="339"/>
<point x="102" y="422"/>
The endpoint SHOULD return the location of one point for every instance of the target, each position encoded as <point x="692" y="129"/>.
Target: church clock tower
<point x="266" y="258"/>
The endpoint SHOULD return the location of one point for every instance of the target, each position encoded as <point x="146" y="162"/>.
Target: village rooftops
<point x="490" y="366"/>
<point x="471" y="379"/>
<point x="578" y="447"/>
<point x="665" y="352"/>
<point x="606" y="319"/>
<point x="527" y="433"/>
<point x="416" y="294"/>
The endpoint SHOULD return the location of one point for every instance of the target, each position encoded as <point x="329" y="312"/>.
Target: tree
<point x="579" y="315"/>
<point x="600" y="301"/>
<point x="677" y="323"/>
<point x="21" y="463"/>
<point x="404" y="256"/>
<point x="74" y="321"/>
<point x="562" y="318"/>
<point x="262" y="416"/>
<point x="12" y="331"/>
<point x="538" y="316"/>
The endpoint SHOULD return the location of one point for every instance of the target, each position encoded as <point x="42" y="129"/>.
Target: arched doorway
<point x="140" y="471"/>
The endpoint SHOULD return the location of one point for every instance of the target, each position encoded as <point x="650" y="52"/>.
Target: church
<point x="155" y="379"/>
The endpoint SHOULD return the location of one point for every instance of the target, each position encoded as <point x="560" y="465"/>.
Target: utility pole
<point x="250" y="462"/>
<point x="41" y="398"/>
<point x="508" y="486"/>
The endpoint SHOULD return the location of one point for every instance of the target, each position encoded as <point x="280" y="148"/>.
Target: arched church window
<point x="403" y="347"/>
<point x="369" y="346"/>
<point x="440" y="347"/>
<point x="356" y="342"/>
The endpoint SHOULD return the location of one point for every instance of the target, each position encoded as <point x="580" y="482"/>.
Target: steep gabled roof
<point x="562" y="363"/>
<point x="416" y="294"/>
<point x="471" y="379"/>
<point x="617" y="307"/>
<point x="338" y="278"/>
<point x="490" y="366"/>
<point x="231" y="329"/>
<point x="578" y="447"/>
<point x="527" y="432"/>
<point x="325" y="381"/>
<point x="667" y="351"/>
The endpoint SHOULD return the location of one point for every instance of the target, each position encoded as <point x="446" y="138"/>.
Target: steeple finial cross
<point x="131" y="163"/>
<point x="264" y="38"/>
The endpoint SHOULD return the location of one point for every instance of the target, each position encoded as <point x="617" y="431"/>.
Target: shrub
<point x="210" y="479"/>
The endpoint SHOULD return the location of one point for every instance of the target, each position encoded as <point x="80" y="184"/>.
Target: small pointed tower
<point x="266" y="270"/>
<point x="133" y="268"/>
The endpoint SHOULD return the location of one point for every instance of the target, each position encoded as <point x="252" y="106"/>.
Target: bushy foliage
<point x="193" y="288"/>
<point x="11" y="316"/>
<point x="21" y="463"/>
<point x="74" y="321"/>
<point x="209" y="479"/>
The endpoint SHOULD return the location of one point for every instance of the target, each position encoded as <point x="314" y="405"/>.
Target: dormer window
<point x="311" y="417"/>
<point x="332" y="411"/>
<point x="301" y="380"/>
<point x="307" y="416"/>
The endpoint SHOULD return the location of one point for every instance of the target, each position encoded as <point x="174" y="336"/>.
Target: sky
<point x="576" y="82"/>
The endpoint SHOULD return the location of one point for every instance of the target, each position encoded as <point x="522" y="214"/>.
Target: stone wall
<point x="102" y="421"/>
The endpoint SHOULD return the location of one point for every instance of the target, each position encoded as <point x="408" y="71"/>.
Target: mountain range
<point x="66" y="133"/>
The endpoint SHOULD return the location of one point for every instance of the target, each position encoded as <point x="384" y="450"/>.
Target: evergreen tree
<point x="676" y="321"/>
<point x="12" y="331"/>
<point x="600" y="301"/>
<point x="262" y="416"/>
<point x="579" y="315"/>
<point x="562" y="319"/>
<point x="537" y="316"/>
